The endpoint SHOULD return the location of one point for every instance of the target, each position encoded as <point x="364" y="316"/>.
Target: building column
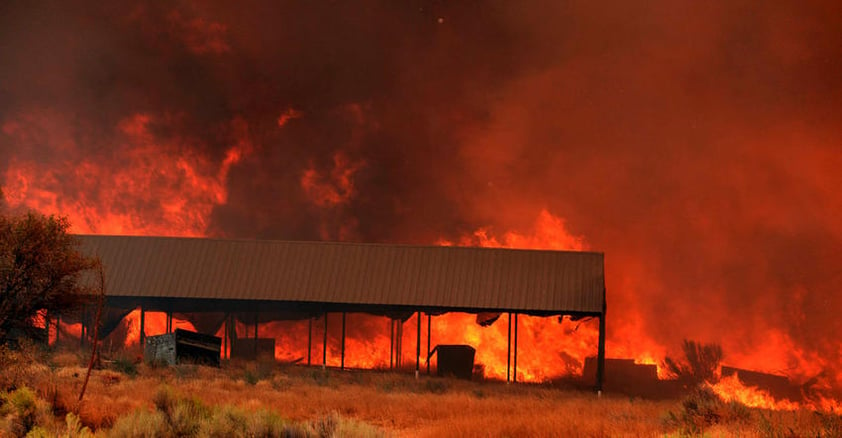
<point x="600" y="355"/>
<point x="309" y="339"/>
<point x="342" y="353"/>
<point x="509" y="350"/>
<point x="324" y="344"/>
<point x="418" y="347"/>
<point x="142" y="337"/>
<point x="429" y="323"/>
<point x="514" y="374"/>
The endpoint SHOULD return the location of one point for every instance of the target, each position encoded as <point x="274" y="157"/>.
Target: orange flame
<point x="730" y="388"/>
<point x="141" y="194"/>
<point x="288" y="115"/>
<point x="336" y="186"/>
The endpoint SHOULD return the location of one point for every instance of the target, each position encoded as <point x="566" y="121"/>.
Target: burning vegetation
<point x="695" y="145"/>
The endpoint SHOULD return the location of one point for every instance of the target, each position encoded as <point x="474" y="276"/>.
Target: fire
<point x="550" y="232"/>
<point x="333" y="187"/>
<point x="153" y="186"/>
<point x="730" y="388"/>
<point x="154" y="323"/>
<point x="288" y="115"/>
<point x="547" y="348"/>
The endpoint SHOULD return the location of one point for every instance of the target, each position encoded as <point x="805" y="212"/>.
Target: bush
<point x="351" y="428"/>
<point x="699" y="410"/>
<point x="227" y="422"/>
<point x="270" y="424"/>
<point x="700" y="364"/>
<point x="184" y="416"/>
<point x="435" y="386"/>
<point x="140" y="424"/>
<point x="831" y="424"/>
<point x="125" y="366"/>
<point x="325" y="427"/>
<point x="21" y="409"/>
<point x="334" y="425"/>
<point x="19" y="365"/>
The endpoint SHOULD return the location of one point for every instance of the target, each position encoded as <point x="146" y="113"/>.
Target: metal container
<point x="183" y="346"/>
<point x="455" y="360"/>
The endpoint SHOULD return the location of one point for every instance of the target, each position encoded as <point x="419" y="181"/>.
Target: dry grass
<point x="376" y="404"/>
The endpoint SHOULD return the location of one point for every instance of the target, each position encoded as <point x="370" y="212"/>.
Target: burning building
<point x="696" y="143"/>
<point x="217" y="285"/>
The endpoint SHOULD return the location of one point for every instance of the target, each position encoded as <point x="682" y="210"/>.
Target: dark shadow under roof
<point x="350" y="273"/>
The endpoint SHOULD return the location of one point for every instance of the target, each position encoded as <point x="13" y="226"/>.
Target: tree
<point x="40" y="268"/>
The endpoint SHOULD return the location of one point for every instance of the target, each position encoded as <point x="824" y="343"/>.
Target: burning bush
<point x="700" y="364"/>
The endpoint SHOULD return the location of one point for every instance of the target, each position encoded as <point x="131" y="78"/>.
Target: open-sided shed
<point x="289" y="280"/>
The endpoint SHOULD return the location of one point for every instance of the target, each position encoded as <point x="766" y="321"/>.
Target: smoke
<point x="696" y="144"/>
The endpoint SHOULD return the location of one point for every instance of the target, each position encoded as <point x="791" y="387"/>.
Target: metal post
<point x="309" y="339"/>
<point x="324" y="345"/>
<point x="418" y="347"/>
<point x="224" y="336"/>
<point x="509" y="351"/>
<point x="142" y="337"/>
<point x="429" y="321"/>
<point x="600" y="355"/>
<point x="255" y="334"/>
<point x="399" y="352"/>
<point x="232" y="334"/>
<point x="391" y="343"/>
<point x="514" y="375"/>
<point x="229" y="334"/>
<point x="342" y="353"/>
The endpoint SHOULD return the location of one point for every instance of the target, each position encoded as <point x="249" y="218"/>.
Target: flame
<point x="288" y="115"/>
<point x="546" y="347"/>
<point x="154" y="323"/>
<point x="334" y="187"/>
<point x="730" y="388"/>
<point x="155" y="187"/>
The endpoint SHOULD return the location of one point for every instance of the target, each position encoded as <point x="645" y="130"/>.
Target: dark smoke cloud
<point x="696" y="144"/>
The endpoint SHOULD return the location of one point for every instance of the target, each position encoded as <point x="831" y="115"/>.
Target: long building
<point x="281" y="280"/>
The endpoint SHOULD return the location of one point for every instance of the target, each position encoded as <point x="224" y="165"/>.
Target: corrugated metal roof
<point x="350" y="273"/>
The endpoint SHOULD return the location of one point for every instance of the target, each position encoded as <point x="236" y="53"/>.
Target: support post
<point x="169" y="321"/>
<point x="600" y="355"/>
<point x="324" y="345"/>
<point x="142" y="336"/>
<point x="309" y="339"/>
<point x="342" y="353"/>
<point x="399" y="352"/>
<point x="47" y="326"/>
<point x="231" y="326"/>
<point x="391" y="343"/>
<point x="514" y="374"/>
<point x="509" y="350"/>
<point x="58" y="327"/>
<point x="429" y="323"/>
<point x="418" y="347"/>
<point x="225" y="337"/>
<point x="255" y="334"/>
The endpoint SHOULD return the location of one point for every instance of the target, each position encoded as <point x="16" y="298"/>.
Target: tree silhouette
<point x="40" y="268"/>
<point x="700" y="364"/>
